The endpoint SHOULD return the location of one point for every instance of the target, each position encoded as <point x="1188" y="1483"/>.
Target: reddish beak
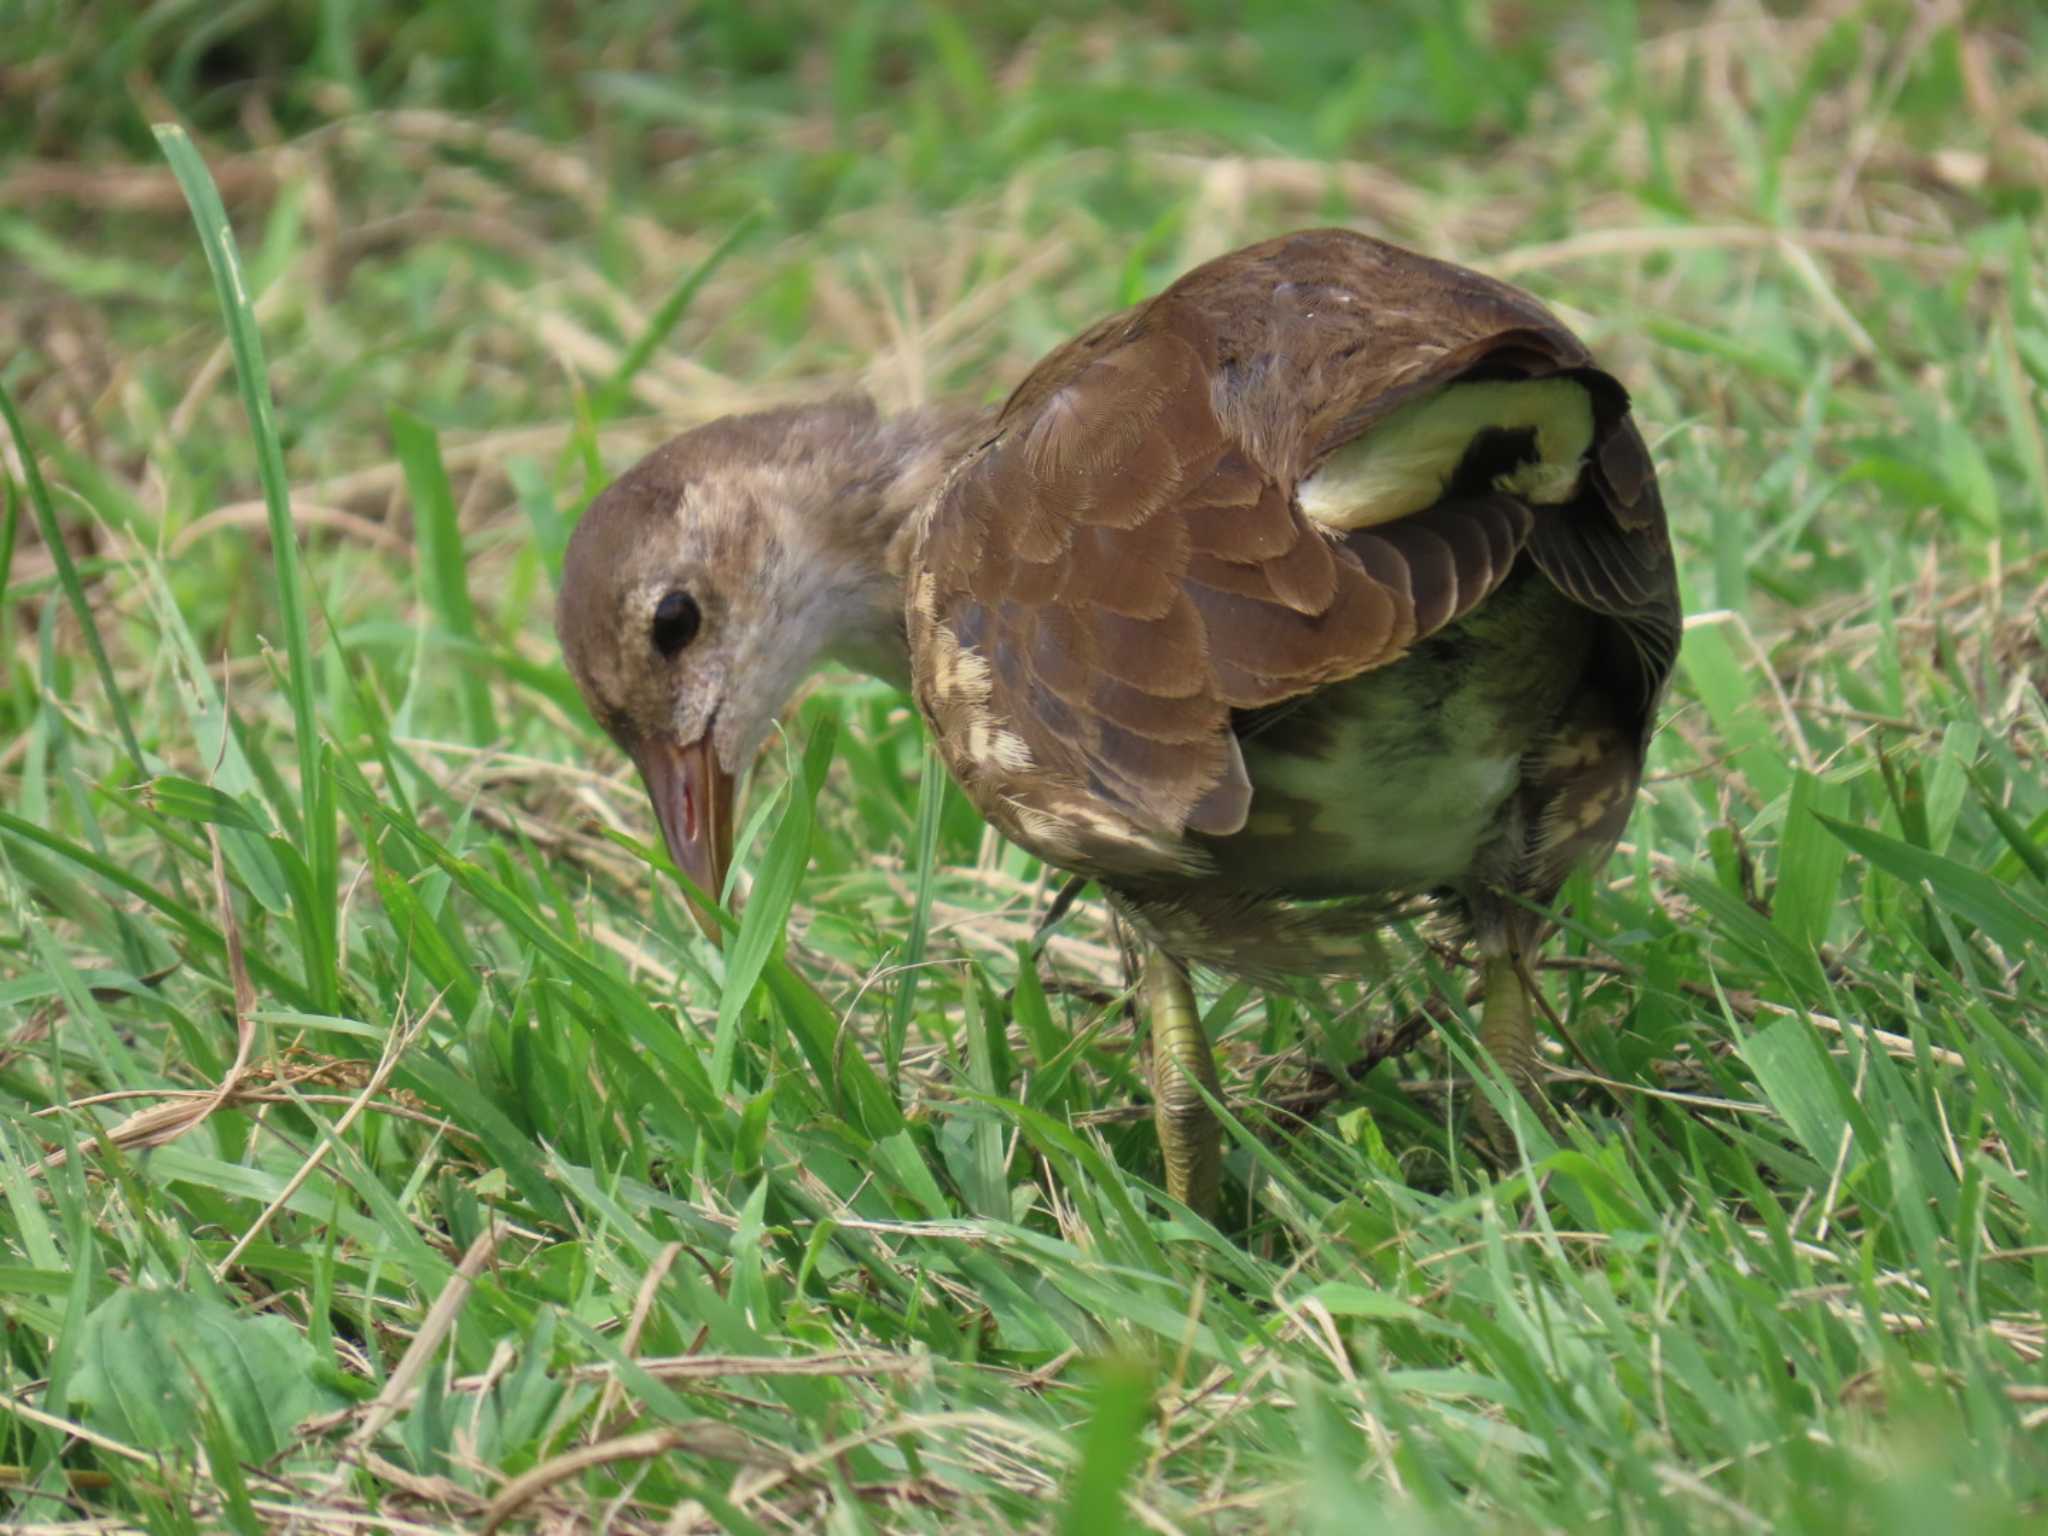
<point x="692" y="798"/>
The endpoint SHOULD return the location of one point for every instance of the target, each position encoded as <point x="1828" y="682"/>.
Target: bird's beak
<point x="692" y="798"/>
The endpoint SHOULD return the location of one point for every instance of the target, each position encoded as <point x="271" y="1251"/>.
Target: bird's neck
<point x="867" y="527"/>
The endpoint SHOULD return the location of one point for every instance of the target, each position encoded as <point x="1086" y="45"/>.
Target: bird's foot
<point x="1190" y="1138"/>
<point x="1507" y="1036"/>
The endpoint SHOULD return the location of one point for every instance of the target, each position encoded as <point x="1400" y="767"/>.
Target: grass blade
<point x="613" y="392"/>
<point x="443" y="572"/>
<point x="67" y="576"/>
<point x="1809" y="863"/>
<point x="1111" y="1448"/>
<point x="319" y="916"/>
<point x="931" y="801"/>
<point x="2012" y="920"/>
<point x="10" y="525"/>
<point x="762" y="924"/>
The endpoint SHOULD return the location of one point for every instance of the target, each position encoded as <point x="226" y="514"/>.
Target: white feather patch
<point x="959" y="676"/>
<point x="996" y="751"/>
<point x="1403" y="464"/>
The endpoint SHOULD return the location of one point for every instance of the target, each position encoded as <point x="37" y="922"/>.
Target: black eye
<point x="675" y="622"/>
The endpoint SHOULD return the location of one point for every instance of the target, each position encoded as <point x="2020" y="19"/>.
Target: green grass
<point x="380" y="1142"/>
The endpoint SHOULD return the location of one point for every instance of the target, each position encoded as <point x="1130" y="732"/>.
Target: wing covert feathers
<point x="1126" y="562"/>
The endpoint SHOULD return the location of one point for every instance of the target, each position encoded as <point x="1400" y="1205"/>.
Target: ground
<point x="384" y="1149"/>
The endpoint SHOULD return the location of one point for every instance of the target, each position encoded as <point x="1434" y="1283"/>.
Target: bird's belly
<point x="1403" y="780"/>
<point x="1386" y="826"/>
<point x="1383" y="810"/>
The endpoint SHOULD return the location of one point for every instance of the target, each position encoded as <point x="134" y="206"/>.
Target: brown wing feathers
<point x="1124" y="618"/>
<point x="1125" y="565"/>
<point x="1610" y="550"/>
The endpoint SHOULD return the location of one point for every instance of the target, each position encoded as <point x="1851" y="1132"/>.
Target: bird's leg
<point x="1190" y="1140"/>
<point x="1507" y="1034"/>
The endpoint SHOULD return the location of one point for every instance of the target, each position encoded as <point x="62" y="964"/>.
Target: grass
<point x="382" y="1148"/>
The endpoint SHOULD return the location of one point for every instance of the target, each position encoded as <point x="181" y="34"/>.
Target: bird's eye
<point x="676" y="618"/>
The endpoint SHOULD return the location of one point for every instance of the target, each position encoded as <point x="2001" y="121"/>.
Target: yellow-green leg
<point x="1190" y="1139"/>
<point x="1508" y="1035"/>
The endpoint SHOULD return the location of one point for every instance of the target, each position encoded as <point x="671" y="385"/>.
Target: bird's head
<point x="702" y="587"/>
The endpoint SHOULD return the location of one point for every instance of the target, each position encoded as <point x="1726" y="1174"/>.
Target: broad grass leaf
<point x="2014" y="921"/>
<point x="1112" y="1444"/>
<point x="1794" y="1074"/>
<point x="1809" y="863"/>
<point x="154" y="1359"/>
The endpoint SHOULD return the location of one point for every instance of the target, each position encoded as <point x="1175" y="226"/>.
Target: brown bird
<point x="1332" y="577"/>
